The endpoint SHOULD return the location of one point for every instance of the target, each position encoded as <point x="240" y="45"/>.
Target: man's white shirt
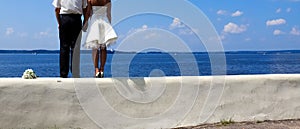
<point x="70" y="6"/>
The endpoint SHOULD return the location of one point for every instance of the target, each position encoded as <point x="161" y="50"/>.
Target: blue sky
<point x="240" y="24"/>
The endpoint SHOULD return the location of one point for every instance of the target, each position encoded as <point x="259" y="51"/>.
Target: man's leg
<point x="64" y="57"/>
<point x="64" y="60"/>
<point x="75" y="46"/>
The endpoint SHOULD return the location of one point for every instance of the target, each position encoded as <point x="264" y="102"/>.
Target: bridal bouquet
<point x="29" y="74"/>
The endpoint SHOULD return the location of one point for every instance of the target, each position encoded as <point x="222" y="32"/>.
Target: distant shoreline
<point x="151" y="52"/>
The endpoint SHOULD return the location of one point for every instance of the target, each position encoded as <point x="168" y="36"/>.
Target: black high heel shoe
<point x="99" y="75"/>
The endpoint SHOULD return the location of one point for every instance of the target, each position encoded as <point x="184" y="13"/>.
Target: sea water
<point x="157" y="64"/>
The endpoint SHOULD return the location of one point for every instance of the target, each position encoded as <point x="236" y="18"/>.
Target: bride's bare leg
<point x="95" y="57"/>
<point x="103" y="57"/>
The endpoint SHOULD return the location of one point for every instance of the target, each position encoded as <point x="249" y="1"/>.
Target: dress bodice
<point x="99" y="10"/>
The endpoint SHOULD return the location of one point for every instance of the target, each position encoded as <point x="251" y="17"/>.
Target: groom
<point x="68" y="15"/>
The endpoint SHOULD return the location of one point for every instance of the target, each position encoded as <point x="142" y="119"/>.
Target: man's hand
<point x="57" y="11"/>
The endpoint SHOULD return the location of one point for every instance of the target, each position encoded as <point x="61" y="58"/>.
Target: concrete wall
<point x="146" y="102"/>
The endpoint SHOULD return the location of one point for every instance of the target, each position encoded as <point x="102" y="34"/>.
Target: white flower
<point x="29" y="74"/>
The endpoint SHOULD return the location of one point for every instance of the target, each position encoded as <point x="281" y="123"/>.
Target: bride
<point x="100" y="33"/>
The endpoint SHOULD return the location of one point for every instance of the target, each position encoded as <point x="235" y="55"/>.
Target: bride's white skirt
<point x="99" y="30"/>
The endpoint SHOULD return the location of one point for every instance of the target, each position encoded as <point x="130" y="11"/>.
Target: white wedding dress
<point x="99" y="30"/>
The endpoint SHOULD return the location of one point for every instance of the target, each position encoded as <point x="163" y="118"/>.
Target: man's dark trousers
<point x="69" y="30"/>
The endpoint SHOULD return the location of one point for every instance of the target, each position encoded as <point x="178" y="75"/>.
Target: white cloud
<point x="237" y="13"/>
<point x="148" y="34"/>
<point x="23" y="35"/>
<point x="44" y="33"/>
<point x="176" y="24"/>
<point x="294" y="31"/>
<point x="222" y="37"/>
<point x="278" y="10"/>
<point x="234" y="28"/>
<point x="41" y="35"/>
<point x="9" y="31"/>
<point x="275" y="22"/>
<point x="278" y="32"/>
<point x="182" y="29"/>
<point x="248" y="39"/>
<point x="143" y="28"/>
<point x="186" y="32"/>
<point x="151" y="35"/>
<point x="288" y="10"/>
<point x="222" y="12"/>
